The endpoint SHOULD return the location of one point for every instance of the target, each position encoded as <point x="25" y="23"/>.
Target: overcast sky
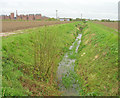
<point x="91" y="9"/>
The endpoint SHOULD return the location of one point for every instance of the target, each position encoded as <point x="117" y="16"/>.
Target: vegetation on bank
<point x="97" y="61"/>
<point x="30" y="60"/>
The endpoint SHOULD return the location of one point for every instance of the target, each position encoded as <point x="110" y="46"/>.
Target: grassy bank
<point x="30" y="60"/>
<point x="97" y="61"/>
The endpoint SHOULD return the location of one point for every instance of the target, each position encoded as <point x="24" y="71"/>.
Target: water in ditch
<point x="65" y="67"/>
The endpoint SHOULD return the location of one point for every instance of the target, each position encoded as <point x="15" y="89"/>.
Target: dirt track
<point x="109" y="24"/>
<point x="8" y="26"/>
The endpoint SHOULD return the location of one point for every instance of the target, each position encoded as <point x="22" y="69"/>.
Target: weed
<point x="98" y="67"/>
<point x="34" y="55"/>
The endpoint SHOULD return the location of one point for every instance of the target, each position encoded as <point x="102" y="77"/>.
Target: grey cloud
<point x="66" y="8"/>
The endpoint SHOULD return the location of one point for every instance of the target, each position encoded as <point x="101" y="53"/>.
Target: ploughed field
<point x="8" y="26"/>
<point x="109" y="24"/>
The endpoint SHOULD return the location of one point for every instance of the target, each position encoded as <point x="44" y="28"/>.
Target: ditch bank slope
<point x="30" y="60"/>
<point x="97" y="61"/>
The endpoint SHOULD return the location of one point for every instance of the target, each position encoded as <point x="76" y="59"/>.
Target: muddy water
<point x="67" y="65"/>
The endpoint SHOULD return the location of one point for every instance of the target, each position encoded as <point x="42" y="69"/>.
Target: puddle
<point x="64" y="69"/>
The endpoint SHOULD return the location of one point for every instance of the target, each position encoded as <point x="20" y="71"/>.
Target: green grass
<point x="69" y="80"/>
<point x="97" y="61"/>
<point x="72" y="77"/>
<point x="30" y="60"/>
<point x="80" y="29"/>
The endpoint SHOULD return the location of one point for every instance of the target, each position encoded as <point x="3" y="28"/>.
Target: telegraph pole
<point x="81" y="16"/>
<point x="16" y="14"/>
<point x="56" y="14"/>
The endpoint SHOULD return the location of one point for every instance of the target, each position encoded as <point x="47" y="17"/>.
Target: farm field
<point x="87" y="52"/>
<point x="109" y="24"/>
<point x="8" y="26"/>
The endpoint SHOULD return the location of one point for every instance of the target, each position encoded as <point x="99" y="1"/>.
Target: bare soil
<point x="8" y="26"/>
<point x="109" y="24"/>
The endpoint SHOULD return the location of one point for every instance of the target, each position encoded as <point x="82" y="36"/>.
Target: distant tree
<point x="105" y="20"/>
<point x="51" y="19"/>
<point x="83" y="19"/>
<point x="108" y="20"/>
<point x="78" y="19"/>
<point x="95" y="20"/>
<point x="71" y="19"/>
